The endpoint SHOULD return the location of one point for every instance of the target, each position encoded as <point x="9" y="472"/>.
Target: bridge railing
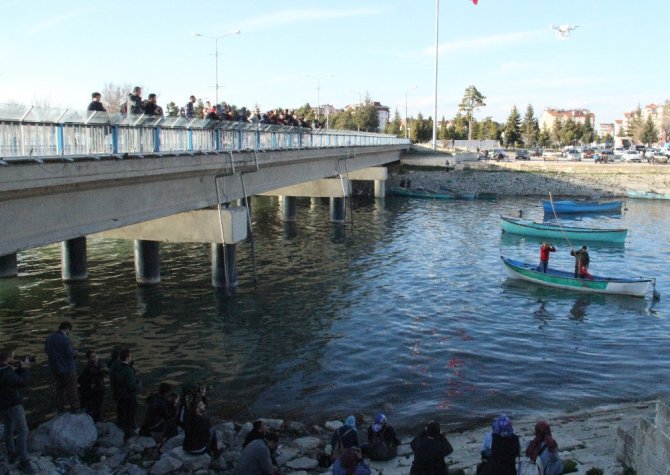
<point x="31" y="132"/>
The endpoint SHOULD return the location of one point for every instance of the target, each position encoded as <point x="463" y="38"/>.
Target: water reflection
<point x="149" y="300"/>
<point x="578" y="310"/>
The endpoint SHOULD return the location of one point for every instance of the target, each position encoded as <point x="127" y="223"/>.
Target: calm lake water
<point x="410" y="312"/>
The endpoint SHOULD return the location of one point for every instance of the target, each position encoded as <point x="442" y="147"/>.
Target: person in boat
<point x="545" y="249"/>
<point x="500" y="449"/>
<point x="430" y="447"/>
<point x="582" y="261"/>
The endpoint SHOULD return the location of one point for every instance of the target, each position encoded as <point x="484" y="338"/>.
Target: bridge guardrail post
<point x="239" y="139"/>
<point x="157" y="139"/>
<point x="115" y="139"/>
<point x="217" y="139"/>
<point x="189" y="144"/>
<point x="60" y="137"/>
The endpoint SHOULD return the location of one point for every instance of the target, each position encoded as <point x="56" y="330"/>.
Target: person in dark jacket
<point x="135" y="104"/>
<point x="256" y="458"/>
<point x="199" y="438"/>
<point x="345" y="437"/>
<point x="582" y="261"/>
<point x="382" y="440"/>
<point x="151" y="106"/>
<point x="258" y="431"/>
<point x="125" y="387"/>
<point x="11" y="407"/>
<point x="92" y="385"/>
<point x="500" y="449"/>
<point x="430" y="447"/>
<point x="62" y="354"/>
<point x="160" y="416"/>
<point x="96" y="105"/>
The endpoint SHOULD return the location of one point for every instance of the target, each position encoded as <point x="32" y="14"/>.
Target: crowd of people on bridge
<point x="165" y="413"/>
<point x="134" y="104"/>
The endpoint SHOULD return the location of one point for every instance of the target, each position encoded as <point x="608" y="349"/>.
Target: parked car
<point x="498" y="154"/>
<point x="658" y="157"/>
<point x="603" y="156"/>
<point x="572" y="154"/>
<point x="632" y="155"/>
<point x="551" y="154"/>
<point x="619" y="151"/>
<point x="522" y="154"/>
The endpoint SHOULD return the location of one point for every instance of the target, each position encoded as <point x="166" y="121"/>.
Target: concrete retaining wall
<point x="646" y="448"/>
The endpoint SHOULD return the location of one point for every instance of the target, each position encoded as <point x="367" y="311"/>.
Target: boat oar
<point x="551" y="200"/>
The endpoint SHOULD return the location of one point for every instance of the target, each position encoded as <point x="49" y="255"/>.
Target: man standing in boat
<point x="545" y="249"/>
<point x="581" y="262"/>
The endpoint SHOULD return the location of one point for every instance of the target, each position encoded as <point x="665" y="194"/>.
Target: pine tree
<point x="556" y="131"/>
<point x="529" y="128"/>
<point x="649" y="134"/>
<point x="394" y="127"/>
<point x="513" y="128"/>
<point x="544" y="138"/>
<point x="472" y="100"/>
<point x="588" y="134"/>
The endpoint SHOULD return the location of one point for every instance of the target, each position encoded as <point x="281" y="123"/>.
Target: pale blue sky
<point x="61" y="51"/>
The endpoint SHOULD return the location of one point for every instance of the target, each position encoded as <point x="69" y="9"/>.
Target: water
<point x="411" y="313"/>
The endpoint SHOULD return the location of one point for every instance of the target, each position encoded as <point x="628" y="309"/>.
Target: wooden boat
<point x="526" y="227"/>
<point x="421" y="193"/>
<point x="648" y="195"/>
<point x="566" y="280"/>
<point x="569" y="206"/>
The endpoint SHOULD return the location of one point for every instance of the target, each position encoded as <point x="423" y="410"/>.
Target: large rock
<point x="42" y="465"/>
<point x="190" y="462"/>
<point x="67" y="434"/>
<point x="109" y="435"/>
<point x="139" y="443"/>
<point x="274" y="424"/>
<point x="307" y="443"/>
<point x="172" y="442"/>
<point x="226" y="433"/>
<point x="166" y="464"/>
<point x="303" y="463"/>
<point x="81" y="469"/>
<point x="333" y="425"/>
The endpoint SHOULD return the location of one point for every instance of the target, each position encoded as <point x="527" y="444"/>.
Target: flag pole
<point x="437" y="37"/>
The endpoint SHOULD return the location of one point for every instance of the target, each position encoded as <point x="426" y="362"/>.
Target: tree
<point x="171" y="109"/>
<point x="366" y="116"/>
<point x="460" y="126"/>
<point x="649" y="134"/>
<point x="556" y="131"/>
<point x="489" y="129"/>
<point x="472" y="100"/>
<point x="113" y="95"/>
<point x="442" y="133"/>
<point x="529" y="128"/>
<point x="544" y="138"/>
<point x="588" y="134"/>
<point x="394" y="126"/>
<point x="635" y="124"/>
<point x="665" y="121"/>
<point x="570" y="132"/>
<point x="512" y="128"/>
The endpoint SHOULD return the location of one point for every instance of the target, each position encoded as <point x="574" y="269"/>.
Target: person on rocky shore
<point x="12" y="380"/>
<point x="500" y="449"/>
<point x="92" y="385"/>
<point x="160" y="414"/>
<point x="430" y="447"/>
<point x="351" y="463"/>
<point x="345" y="437"/>
<point x="256" y="458"/>
<point x="382" y="440"/>
<point x="62" y="355"/>
<point x="545" y="447"/>
<point x="258" y="430"/>
<point x="199" y="438"/>
<point x="125" y="386"/>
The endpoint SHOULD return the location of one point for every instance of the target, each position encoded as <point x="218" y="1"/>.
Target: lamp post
<point x="406" y="123"/>
<point x="216" y="58"/>
<point x="318" y="88"/>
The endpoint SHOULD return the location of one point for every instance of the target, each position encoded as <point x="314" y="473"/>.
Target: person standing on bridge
<point x="151" y="106"/>
<point x="189" y="108"/>
<point x="96" y="105"/>
<point x="135" y="104"/>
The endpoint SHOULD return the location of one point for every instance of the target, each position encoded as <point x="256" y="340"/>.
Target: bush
<point x="569" y="466"/>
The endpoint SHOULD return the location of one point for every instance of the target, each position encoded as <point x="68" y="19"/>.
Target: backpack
<point x="338" y="448"/>
<point x="528" y="467"/>
<point x="554" y="467"/>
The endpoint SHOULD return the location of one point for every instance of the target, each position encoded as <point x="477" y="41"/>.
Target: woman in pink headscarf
<point x="545" y="447"/>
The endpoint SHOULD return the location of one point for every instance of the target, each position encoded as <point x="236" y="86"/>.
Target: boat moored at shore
<point x="526" y="227"/>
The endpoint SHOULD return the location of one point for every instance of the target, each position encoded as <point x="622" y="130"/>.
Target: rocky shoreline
<point x="73" y="444"/>
<point x="535" y="179"/>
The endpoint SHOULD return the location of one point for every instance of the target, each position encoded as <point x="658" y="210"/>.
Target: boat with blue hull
<point x="636" y="287"/>
<point x="526" y="227"/>
<point x="569" y="206"/>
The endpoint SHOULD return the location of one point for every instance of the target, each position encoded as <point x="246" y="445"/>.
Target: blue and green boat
<point x="526" y="227"/>
<point x="636" y="287"/>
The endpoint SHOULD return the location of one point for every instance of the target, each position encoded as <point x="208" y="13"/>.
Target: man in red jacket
<point x="545" y="249"/>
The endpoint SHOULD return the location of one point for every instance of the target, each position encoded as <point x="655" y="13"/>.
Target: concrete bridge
<point x="151" y="179"/>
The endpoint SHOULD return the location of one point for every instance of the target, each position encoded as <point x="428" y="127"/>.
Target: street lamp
<point x="406" y="124"/>
<point x="318" y="87"/>
<point x="216" y="58"/>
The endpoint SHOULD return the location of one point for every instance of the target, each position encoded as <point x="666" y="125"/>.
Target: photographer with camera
<point x="13" y="377"/>
<point x="62" y="354"/>
<point x="160" y="416"/>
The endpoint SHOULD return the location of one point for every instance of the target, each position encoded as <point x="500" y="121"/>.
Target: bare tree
<point x="665" y="121"/>
<point x="114" y="94"/>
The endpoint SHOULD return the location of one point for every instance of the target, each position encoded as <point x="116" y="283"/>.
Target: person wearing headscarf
<point x="345" y="437"/>
<point x="430" y="447"/>
<point x="382" y="440"/>
<point x="350" y="463"/>
<point x="501" y="448"/>
<point x="543" y="445"/>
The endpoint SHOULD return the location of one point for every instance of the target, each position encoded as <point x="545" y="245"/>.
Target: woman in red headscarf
<point x="545" y="447"/>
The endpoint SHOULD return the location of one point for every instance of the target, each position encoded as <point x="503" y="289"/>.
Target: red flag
<point x="475" y="2"/>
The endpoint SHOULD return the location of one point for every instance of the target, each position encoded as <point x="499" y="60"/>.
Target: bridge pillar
<point x="147" y="262"/>
<point x="289" y="208"/>
<point x="8" y="266"/>
<point x="73" y="259"/>
<point x="219" y="265"/>
<point x="338" y="210"/>
<point x="380" y="188"/>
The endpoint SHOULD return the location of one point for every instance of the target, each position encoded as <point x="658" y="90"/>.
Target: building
<point x="550" y="116"/>
<point x="383" y="113"/>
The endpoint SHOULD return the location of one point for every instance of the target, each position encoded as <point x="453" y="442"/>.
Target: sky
<point x="289" y="53"/>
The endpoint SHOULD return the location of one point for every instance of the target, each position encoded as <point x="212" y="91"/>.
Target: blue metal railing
<point x="41" y="133"/>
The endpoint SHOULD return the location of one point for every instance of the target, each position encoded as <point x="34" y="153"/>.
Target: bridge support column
<point x="289" y="208"/>
<point x="338" y="210"/>
<point x="219" y="265"/>
<point x="314" y="202"/>
<point x="147" y="262"/>
<point x="380" y="188"/>
<point x="8" y="266"/>
<point x="73" y="259"/>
